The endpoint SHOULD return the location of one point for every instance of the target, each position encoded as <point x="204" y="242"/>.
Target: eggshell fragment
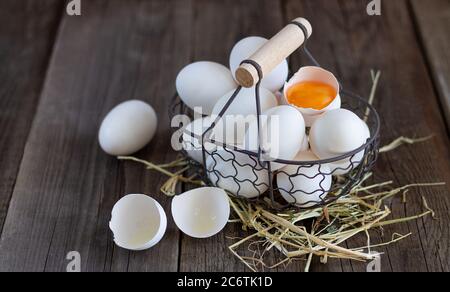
<point x="201" y="84"/>
<point x="311" y="73"/>
<point x="128" y="128"/>
<point x="237" y="173"/>
<point x="192" y="143"/>
<point x="244" y="49"/>
<point x="201" y="213"/>
<point x="240" y="113"/>
<point x="138" y="222"/>
<point x="304" y="186"/>
<point x="282" y="134"/>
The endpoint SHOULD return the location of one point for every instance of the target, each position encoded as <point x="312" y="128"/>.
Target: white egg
<point x="344" y="166"/>
<point x="237" y="173"/>
<point x="138" y="222"/>
<point x="202" y="212"/>
<point x="304" y="186"/>
<point x="245" y="48"/>
<point x="311" y="73"/>
<point x="128" y="128"/>
<point x="202" y="84"/>
<point x="191" y="139"/>
<point x="240" y="113"/>
<point x="337" y="132"/>
<point x="282" y="134"/>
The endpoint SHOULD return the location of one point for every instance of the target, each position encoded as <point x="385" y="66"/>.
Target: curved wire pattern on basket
<point x="221" y="166"/>
<point x="356" y="167"/>
<point x="231" y="179"/>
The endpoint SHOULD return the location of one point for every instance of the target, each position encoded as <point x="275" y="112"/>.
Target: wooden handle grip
<point x="281" y="46"/>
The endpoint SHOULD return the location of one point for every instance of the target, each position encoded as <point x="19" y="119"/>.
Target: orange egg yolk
<point x="311" y="94"/>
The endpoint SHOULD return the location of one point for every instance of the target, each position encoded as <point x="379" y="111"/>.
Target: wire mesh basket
<point x="323" y="181"/>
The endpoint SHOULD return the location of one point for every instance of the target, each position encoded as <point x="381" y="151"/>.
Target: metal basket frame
<point x="356" y="165"/>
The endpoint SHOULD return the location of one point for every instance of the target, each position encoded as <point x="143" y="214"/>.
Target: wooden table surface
<point x="61" y="74"/>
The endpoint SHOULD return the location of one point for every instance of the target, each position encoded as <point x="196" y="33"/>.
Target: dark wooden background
<point x="60" y="75"/>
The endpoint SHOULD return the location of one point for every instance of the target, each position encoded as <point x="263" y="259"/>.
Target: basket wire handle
<point x="216" y="121"/>
<point x="264" y="60"/>
<point x="272" y="53"/>
<point x="251" y="73"/>
<point x="259" y="123"/>
<point x="302" y="24"/>
<point x="259" y="70"/>
<point x="258" y="104"/>
<point x="305" y="48"/>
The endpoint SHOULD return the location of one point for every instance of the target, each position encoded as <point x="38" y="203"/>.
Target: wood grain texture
<point x="433" y="24"/>
<point x="119" y="50"/>
<point x="27" y="32"/>
<point x="66" y="187"/>
<point x="407" y="105"/>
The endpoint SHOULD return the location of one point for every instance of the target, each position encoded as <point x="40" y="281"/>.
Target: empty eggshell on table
<point x="237" y="173"/>
<point x="282" y="134"/>
<point x="138" y="222"/>
<point x="240" y="113"/>
<point x="245" y="49"/>
<point x="202" y="212"/>
<point x="202" y="84"/>
<point x="191" y="138"/>
<point x="316" y="74"/>
<point x="305" y="185"/>
<point x="128" y="128"/>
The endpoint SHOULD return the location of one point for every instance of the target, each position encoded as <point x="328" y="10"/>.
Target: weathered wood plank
<point x="119" y="50"/>
<point x="27" y="32"/>
<point x="66" y="187"/>
<point x="433" y="24"/>
<point x="349" y="42"/>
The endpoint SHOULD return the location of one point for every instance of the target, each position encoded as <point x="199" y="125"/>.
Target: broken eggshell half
<point x="138" y="222"/>
<point x="202" y="212"/>
<point x="317" y="74"/>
